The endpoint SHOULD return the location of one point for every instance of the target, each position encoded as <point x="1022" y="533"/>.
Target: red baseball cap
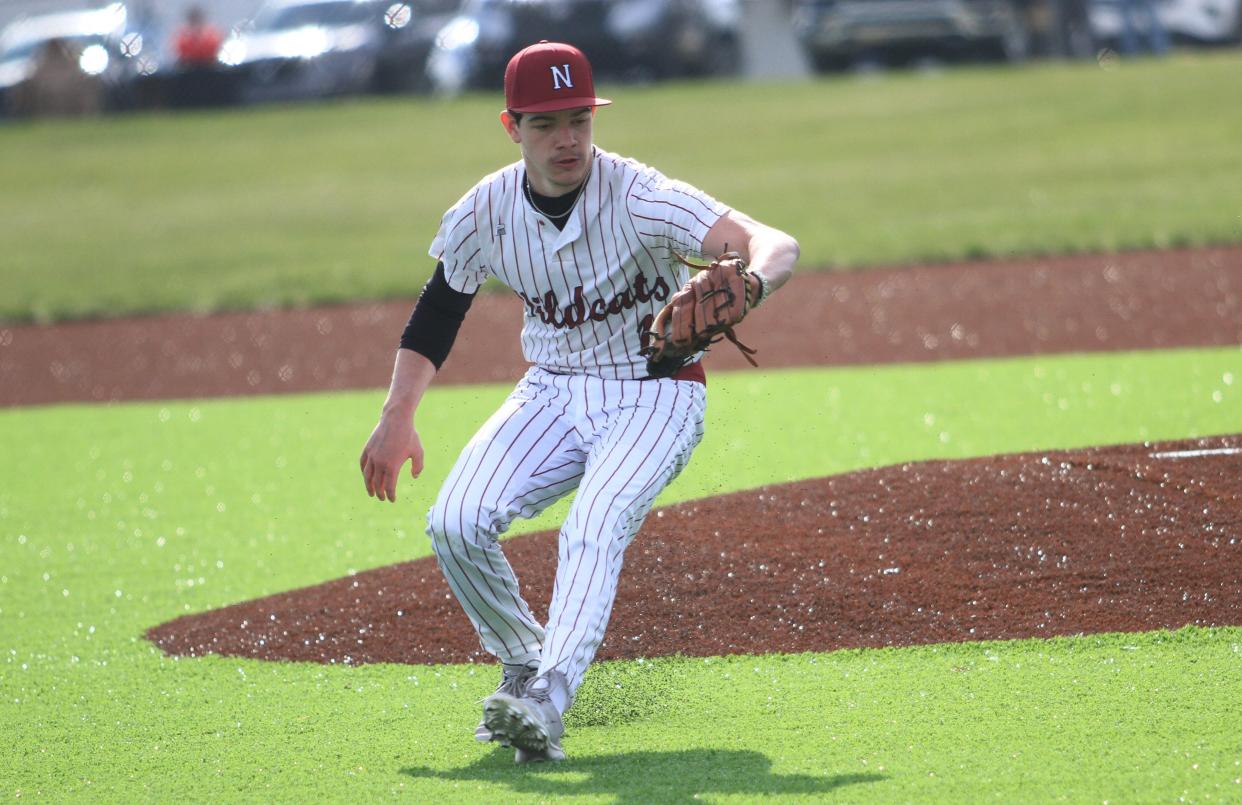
<point x="549" y="77"/>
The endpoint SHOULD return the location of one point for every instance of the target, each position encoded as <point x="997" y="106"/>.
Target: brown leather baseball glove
<point x="704" y="311"/>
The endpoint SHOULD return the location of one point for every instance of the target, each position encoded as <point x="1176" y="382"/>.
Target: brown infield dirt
<point x="1052" y="543"/>
<point x="1134" y="300"/>
<point x="1034" y="545"/>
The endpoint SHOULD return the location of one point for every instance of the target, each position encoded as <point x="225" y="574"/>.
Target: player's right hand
<point x="393" y="442"/>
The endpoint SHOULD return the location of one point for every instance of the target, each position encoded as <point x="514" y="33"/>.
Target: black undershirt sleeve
<point x="437" y="316"/>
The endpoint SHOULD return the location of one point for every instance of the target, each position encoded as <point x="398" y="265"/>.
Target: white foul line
<point x="1216" y="451"/>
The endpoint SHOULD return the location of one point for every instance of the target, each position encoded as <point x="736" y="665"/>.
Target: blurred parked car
<point x="624" y="39"/>
<point x="410" y="30"/>
<point x="1211" y="22"/>
<point x="295" y="49"/>
<point x="107" y="44"/>
<point x="838" y="33"/>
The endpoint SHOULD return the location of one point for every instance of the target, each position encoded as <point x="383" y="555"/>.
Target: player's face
<point x="556" y="147"/>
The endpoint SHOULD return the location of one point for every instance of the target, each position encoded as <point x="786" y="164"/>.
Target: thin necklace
<point x="530" y="197"/>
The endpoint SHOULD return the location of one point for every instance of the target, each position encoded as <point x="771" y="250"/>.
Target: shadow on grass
<point x="635" y="777"/>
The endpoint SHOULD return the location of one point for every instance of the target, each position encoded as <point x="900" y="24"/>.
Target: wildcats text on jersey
<point x="581" y="311"/>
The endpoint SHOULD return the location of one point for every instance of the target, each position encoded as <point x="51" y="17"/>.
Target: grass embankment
<point x="118" y="518"/>
<point x="291" y="205"/>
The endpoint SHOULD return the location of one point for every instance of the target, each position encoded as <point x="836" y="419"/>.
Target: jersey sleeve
<point x="672" y="214"/>
<point x="458" y="246"/>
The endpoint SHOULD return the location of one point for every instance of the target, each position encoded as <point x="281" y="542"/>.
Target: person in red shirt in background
<point x="199" y="81"/>
<point x="198" y="41"/>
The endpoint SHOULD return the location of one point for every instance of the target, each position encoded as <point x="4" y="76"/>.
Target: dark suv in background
<point x="624" y="39"/>
<point x="838" y="33"/>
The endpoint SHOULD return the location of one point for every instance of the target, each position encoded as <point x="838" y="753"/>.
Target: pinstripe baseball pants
<point x="619" y="443"/>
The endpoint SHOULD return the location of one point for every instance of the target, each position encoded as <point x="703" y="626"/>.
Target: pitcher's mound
<point x="1123" y="538"/>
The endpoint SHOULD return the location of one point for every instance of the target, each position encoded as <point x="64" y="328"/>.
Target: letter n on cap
<point x="559" y="78"/>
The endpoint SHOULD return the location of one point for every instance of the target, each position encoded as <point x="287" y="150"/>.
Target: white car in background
<point x="1205" y="21"/>
<point x="107" y="46"/>
<point x="298" y="49"/>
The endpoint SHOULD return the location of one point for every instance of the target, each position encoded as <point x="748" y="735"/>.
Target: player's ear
<point x="511" y="126"/>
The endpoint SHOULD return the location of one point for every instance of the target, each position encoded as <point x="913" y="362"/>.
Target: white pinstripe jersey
<point x="591" y="288"/>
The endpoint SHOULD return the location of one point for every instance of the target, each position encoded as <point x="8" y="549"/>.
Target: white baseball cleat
<point x="512" y="683"/>
<point x="530" y="723"/>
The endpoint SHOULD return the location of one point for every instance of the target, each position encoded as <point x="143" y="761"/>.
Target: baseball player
<point x="589" y="241"/>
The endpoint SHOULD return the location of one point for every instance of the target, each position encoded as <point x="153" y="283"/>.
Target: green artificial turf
<point x="114" y="519"/>
<point x="288" y="205"/>
<point x="1123" y="718"/>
